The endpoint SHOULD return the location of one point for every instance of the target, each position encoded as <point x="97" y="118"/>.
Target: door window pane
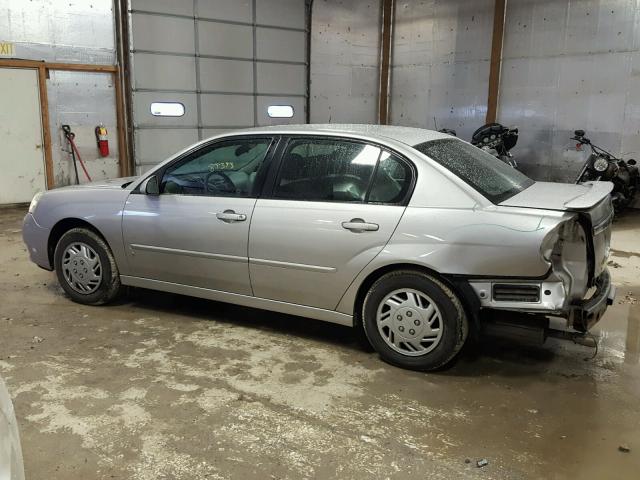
<point x="326" y="170"/>
<point x="392" y="181"/>
<point x="227" y="169"/>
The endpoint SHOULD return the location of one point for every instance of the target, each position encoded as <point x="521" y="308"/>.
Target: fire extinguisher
<point x="103" y="140"/>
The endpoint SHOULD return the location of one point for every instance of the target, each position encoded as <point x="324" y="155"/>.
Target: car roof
<point x="407" y="135"/>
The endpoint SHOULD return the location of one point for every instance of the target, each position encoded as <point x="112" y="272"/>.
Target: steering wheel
<point x="218" y="182"/>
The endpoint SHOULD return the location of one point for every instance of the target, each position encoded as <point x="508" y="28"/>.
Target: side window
<point x="392" y="181"/>
<point x="326" y="170"/>
<point x="221" y="169"/>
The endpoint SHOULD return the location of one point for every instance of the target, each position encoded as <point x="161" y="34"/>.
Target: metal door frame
<point x="43" y="73"/>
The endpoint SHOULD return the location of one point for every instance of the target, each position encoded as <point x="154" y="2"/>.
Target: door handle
<point x="231" y="216"/>
<point x="359" y="225"/>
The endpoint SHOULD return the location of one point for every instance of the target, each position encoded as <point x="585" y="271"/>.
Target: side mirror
<point x="631" y="162"/>
<point x="150" y="186"/>
<point x="579" y="133"/>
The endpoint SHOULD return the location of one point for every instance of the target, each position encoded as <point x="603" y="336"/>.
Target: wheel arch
<point x="459" y="286"/>
<point x="63" y="226"/>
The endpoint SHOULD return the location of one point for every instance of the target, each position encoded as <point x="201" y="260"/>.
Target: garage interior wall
<point x="566" y="65"/>
<point x="440" y="64"/>
<point x="225" y="61"/>
<point x="570" y="65"/>
<point x="345" y="54"/>
<point x="70" y="32"/>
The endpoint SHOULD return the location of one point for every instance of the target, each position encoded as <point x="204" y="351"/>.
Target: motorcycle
<point x="603" y="166"/>
<point x="497" y="140"/>
<point x="449" y="131"/>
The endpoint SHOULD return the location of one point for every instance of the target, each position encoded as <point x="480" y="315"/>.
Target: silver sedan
<point x="11" y="465"/>
<point x="408" y="235"/>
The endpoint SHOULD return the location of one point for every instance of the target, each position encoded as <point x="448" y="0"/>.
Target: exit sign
<point x="7" y="49"/>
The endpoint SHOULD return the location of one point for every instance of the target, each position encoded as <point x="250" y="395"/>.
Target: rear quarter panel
<point x="480" y="242"/>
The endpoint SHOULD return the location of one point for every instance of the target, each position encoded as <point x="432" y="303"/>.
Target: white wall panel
<point x="283" y="13"/>
<point x="164" y="72"/>
<point x="212" y="132"/>
<point x="163" y="34"/>
<point x="227" y="110"/>
<point x="440" y="63"/>
<point x="281" y="78"/>
<point x="237" y="10"/>
<point x="226" y="75"/>
<point x="570" y="65"/>
<point x="285" y="45"/>
<point x="225" y="40"/>
<point x="155" y="146"/>
<point x="344" y="51"/>
<point x="163" y="6"/>
<point x="567" y="64"/>
<point x="59" y="30"/>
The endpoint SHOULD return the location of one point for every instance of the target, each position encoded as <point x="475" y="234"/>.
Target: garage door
<point x="200" y="67"/>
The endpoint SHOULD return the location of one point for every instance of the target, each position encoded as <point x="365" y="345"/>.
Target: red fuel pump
<point x="103" y="140"/>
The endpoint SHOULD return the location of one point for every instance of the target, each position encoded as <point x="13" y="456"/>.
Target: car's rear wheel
<point x="414" y="320"/>
<point x="86" y="268"/>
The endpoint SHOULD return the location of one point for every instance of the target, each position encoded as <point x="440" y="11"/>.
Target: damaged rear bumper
<point x="546" y="297"/>
<point x="586" y="314"/>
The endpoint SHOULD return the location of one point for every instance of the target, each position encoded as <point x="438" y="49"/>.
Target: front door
<point x="21" y="146"/>
<point x="195" y="231"/>
<point x="334" y="205"/>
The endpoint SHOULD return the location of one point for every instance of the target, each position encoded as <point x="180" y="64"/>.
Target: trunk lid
<point x="592" y="202"/>
<point x="561" y="196"/>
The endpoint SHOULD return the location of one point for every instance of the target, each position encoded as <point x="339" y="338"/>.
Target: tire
<point x="432" y="319"/>
<point x="95" y="262"/>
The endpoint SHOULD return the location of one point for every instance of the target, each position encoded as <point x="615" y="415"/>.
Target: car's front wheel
<point x="414" y="320"/>
<point x="86" y="268"/>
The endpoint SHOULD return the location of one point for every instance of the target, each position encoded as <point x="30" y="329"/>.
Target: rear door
<point x="195" y="231"/>
<point x="329" y="210"/>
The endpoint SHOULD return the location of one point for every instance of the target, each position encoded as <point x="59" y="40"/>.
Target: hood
<point x="113" y="183"/>
<point x="561" y="196"/>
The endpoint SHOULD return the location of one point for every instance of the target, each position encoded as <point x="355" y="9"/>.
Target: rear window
<point x="491" y="177"/>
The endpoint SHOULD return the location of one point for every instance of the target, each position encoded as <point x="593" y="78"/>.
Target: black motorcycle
<point x="449" y="131"/>
<point x="497" y="140"/>
<point x="602" y="165"/>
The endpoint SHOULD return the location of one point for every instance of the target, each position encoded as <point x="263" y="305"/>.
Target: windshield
<point x="490" y="176"/>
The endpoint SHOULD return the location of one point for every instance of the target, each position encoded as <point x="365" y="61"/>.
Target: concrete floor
<point x="167" y="387"/>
